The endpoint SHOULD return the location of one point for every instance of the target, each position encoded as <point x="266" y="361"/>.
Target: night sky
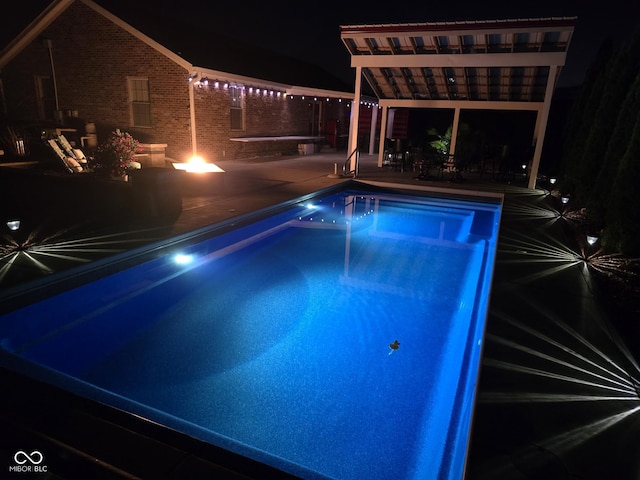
<point x="311" y="30"/>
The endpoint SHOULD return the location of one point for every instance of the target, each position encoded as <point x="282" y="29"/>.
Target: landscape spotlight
<point x="13" y="225"/>
<point x="592" y="239"/>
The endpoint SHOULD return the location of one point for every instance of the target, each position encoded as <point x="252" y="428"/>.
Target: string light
<point x="206" y="82"/>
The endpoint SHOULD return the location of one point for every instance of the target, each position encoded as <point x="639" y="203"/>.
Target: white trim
<point x="464" y="104"/>
<point x="192" y="113"/>
<point x="354" y="121"/>
<point x="318" y="92"/>
<point x="521" y="59"/>
<point x="288" y="89"/>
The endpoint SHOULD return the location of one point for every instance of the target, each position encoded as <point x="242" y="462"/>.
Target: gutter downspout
<point x="3" y="99"/>
<point x="48" y="44"/>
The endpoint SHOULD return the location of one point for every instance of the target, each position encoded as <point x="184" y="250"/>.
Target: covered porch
<point x="486" y="65"/>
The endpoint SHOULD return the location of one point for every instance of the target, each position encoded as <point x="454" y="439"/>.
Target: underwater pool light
<point x="183" y="258"/>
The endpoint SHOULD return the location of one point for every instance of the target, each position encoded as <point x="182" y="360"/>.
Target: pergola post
<point x="454" y="131"/>
<point x="355" y="119"/>
<point x="383" y="135"/>
<point x="541" y="124"/>
<point x="372" y="134"/>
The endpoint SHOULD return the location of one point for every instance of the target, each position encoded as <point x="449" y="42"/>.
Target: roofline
<point x="318" y="92"/>
<point x="33" y="30"/>
<point x="218" y="75"/>
<point x="56" y="8"/>
<point x="466" y="25"/>
<point x="234" y="78"/>
<point x="139" y="35"/>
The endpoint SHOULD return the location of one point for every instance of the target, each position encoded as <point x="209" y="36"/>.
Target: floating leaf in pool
<point x="394" y="346"/>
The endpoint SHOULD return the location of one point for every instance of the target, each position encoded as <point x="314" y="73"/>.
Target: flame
<point x="197" y="165"/>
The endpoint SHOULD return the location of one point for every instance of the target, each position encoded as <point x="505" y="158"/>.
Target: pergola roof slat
<point x="517" y="44"/>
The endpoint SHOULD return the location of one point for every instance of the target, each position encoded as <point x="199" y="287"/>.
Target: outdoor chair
<point x="74" y="153"/>
<point x="69" y="162"/>
<point x="425" y="164"/>
<point x="450" y="170"/>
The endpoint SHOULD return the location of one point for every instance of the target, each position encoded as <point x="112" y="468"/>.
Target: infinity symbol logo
<point x="21" y="457"/>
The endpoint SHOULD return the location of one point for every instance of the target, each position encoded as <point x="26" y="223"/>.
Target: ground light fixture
<point x="564" y="199"/>
<point x="553" y="180"/>
<point x="592" y="239"/>
<point x="13" y="225"/>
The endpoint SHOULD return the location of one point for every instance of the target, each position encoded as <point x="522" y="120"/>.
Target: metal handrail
<point x="347" y="164"/>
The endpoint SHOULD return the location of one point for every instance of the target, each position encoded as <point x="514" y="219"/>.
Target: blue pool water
<point x="273" y="340"/>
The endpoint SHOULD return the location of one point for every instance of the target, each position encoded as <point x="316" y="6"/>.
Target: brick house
<point x="84" y="69"/>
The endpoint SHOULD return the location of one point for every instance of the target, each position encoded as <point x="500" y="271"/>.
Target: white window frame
<point x="139" y="102"/>
<point x="236" y="108"/>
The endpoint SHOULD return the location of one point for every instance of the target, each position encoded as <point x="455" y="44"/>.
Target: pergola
<point x="487" y="65"/>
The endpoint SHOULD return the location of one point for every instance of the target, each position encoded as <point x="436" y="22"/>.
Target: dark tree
<point x="618" y="143"/>
<point x="616" y="80"/>
<point x="622" y="230"/>
<point x="578" y="122"/>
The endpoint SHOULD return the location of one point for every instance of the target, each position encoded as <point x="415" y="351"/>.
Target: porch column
<point x="192" y="109"/>
<point x="355" y="119"/>
<point x="383" y="136"/>
<point x="372" y="133"/>
<point x="454" y="131"/>
<point x="541" y="126"/>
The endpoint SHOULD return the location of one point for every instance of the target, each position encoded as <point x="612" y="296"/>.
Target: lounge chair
<point x="75" y="153"/>
<point x="69" y="162"/>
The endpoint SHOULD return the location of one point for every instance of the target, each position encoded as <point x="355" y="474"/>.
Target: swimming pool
<point x="339" y="337"/>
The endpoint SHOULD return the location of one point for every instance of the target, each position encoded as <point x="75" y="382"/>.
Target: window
<point x="140" y="102"/>
<point x="237" y="112"/>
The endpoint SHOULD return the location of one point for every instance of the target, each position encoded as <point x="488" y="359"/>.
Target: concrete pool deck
<point x="557" y="394"/>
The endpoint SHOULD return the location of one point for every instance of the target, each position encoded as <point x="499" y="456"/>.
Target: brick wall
<point x="265" y="115"/>
<point x="93" y="58"/>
